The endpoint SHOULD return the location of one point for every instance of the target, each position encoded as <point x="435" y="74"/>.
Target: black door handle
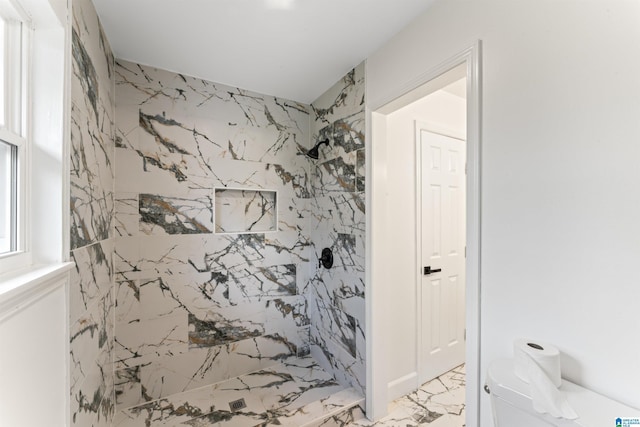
<point x="428" y="270"/>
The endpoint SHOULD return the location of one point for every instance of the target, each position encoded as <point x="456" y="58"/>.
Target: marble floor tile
<point x="290" y="393"/>
<point x="299" y="393"/>
<point x="437" y="403"/>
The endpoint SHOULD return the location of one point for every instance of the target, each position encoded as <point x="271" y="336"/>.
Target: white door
<point x="443" y="235"/>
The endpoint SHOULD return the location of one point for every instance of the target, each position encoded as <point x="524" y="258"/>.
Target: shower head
<point x="313" y="153"/>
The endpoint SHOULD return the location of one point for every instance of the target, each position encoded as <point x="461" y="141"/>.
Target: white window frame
<point x="16" y="129"/>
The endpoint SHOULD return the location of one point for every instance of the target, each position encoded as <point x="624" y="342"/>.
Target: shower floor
<point x="299" y="393"/>
<point x="293" y="393"/>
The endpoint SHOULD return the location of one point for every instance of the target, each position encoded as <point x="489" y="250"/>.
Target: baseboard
<point x="402" y="386"/>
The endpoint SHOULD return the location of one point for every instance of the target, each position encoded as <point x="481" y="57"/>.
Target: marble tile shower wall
<point x="196" y="304"/>
<point x="336" y="296"/>
<point x="91" y="295"/>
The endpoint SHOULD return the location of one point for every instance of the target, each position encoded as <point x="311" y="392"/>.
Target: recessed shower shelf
<point x="243" y="210"/>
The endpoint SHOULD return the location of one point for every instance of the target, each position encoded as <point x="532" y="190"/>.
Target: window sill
<point x="20" y="289"/>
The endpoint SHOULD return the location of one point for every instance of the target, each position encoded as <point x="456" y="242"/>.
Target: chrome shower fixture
<point x="313" y="153"/>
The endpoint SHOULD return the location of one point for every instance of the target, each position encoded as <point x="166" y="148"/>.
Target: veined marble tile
<point x="142" y="172"/>
<point x="292" y="308"/>
<point x="127" y="214"/>
<point x="225" y="325"/>
<point x="126" y="258"/>
<point x="335" y="175"/>
<point x="235" y="251"/>
<point x="337" y="221"/>
<point x="183" y="292"/>
<point x="257" y="283"/>
<point x="202" y="366"/>
<point x="360" y="169"/>
<point x="292" y="180"/>
<point x="147" y="171"/>
<point x="176" y="215"/>
<point x="164" y="134"/>
<point x="128" y="307"/>
<point x="345" y="135"/>
<point x="245" y="211"/>
<point x="343" y="99"/>
<point x="162" y="336"/>
<point x="287" y="318"/>
<point x="91" y="129"/>
<point x="339" y="290"/>
<point x="128" y="388"/>
<point x="91" y="172"/>
<point x="348" y="251"/>
<point x="343" y="418"/>
<point x="177" y="137"/>
<point x="304" y="385"/>
<point x="335" y="359"/>
<point x="292" y="393"/>
<point x="328" y="317"/>
<point x="91" y="298"/>
<point x="434" y="404"/>
<point x="91" y="278"/>
<point x="91" y="334"/>
<point x="127" y="122"/>
<point x="238" y="124"/>
<point x="293" y="215"/>
<point x="339" y="114"/>
<point x="89" y="29"/>
<point x="91" y="349"/>
<point x="287" y="247"/>
<point x="152" y="256"/>
<point x="340" y="212"/>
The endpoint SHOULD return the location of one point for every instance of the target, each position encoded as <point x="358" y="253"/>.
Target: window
<point x="13" y="142"/>
<point x="8" y="190"/>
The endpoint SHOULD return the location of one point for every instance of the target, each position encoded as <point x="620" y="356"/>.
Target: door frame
<point x="450" y="133"/>
<point x="377" y="226"/>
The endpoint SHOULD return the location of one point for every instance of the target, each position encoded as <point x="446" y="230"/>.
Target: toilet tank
<point x="512" y="406"/>
<point x="507" y="415"/>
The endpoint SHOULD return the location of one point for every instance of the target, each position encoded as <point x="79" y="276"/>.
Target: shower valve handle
<point x="326" y="259"/>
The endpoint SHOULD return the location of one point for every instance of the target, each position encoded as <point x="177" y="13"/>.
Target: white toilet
<point x="512" y="406"/>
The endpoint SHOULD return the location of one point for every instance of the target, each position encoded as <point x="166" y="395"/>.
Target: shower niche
<point x="241" y="210"/>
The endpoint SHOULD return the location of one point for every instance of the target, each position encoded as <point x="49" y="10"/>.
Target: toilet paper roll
<point x="546" y="356"/>
<point x="539" y="365"/>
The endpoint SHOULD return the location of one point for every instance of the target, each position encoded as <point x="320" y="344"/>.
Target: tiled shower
<point x="197" y="221"/>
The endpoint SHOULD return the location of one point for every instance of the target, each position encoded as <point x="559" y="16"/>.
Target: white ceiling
<point x="295" y="49"/>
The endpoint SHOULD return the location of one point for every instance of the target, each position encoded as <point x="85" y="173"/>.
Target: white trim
<point x="12" y="138"/>
<point x="25" y="166"/>
<point x="375" y="268"/>
<point x="474" y="232"/>
<point x="402" y="386"/>
<point x="16" y="130"/>
<point x="418" y="243"/>
<point x="376" y="399"/>
<point x="21" y="290"/>
<point x="12" y="9"/>
<point x="66" y="144"/>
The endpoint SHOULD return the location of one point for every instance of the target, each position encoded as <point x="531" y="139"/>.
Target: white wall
<point x="443" y="112"/>
<point x="560" y="152"/>
<point x="34" y="385"/>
